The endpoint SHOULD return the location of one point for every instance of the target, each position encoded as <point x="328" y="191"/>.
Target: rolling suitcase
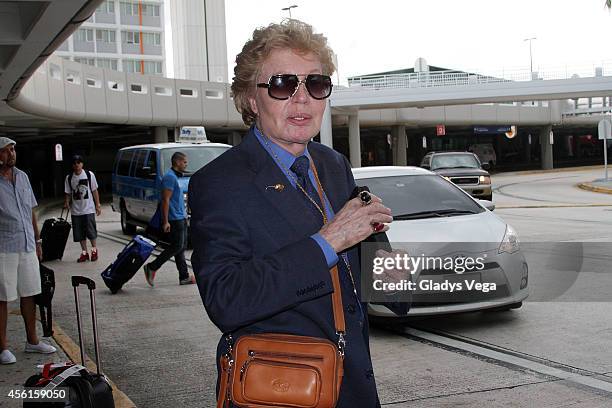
<point x="54" y="236"/>
<point x="128" y="262"/>
<point x="82" y="388"/>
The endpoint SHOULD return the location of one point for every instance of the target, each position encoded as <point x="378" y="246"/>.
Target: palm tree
<point x="609" y="4"/>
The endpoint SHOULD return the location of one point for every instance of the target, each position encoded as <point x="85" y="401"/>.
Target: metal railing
<point x="430" y="79"/>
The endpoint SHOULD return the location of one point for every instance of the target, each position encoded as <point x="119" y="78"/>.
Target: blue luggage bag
<point x="128" y="262"/>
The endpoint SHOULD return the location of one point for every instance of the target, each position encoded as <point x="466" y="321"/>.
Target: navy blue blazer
<point x="256" y="266"/>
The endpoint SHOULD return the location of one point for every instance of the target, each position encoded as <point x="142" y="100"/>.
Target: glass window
<point x="88" y="61"/>
<point x="139" y="166"/>
<point x="107" y="63"/>
<point x="84" y="35"/>
<point x="130" y="37"/>
<point x="454" y="161"/>
<point x="106" y="7"/>
<point x="151" y="38"/>
<point x="108" y="36"/>
<point x="123" y="168"/>
<point x="406" y="195"/>
<point x="197" y="157"/>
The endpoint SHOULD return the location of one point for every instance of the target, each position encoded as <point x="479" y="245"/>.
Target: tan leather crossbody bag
<point x="281" y="370"/>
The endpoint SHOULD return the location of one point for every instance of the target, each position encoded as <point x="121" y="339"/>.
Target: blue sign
<point x="492" y="130"/>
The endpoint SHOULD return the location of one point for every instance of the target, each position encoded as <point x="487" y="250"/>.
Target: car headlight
<point x="484" y="179"/>
<point x="510" y="242"/>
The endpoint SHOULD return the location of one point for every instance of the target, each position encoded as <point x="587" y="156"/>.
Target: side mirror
<point x="487" y="204"/>
<point x="486" y="166"/>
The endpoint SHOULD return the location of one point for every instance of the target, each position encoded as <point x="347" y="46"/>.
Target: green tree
<point x="609" y="4"/>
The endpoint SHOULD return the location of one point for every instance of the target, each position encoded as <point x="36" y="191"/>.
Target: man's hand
<point x="166" y="227"/>
<point x="66" y="205"/>
<point x="353" y="223"/>
<point x="39" y="251"/>
<point x="98" y="210"/>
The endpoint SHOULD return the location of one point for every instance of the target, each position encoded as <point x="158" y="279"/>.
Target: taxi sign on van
<point x="193" y="134"/>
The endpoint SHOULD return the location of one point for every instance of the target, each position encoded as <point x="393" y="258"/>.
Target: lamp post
<point x="530" y="55"/>
<point x="289" y="9"/>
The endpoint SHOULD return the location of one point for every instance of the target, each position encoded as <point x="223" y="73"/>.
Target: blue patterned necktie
<point x="300" y="167"/>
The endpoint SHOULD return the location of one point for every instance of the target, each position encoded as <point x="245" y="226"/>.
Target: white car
<point x="435" y="218"/>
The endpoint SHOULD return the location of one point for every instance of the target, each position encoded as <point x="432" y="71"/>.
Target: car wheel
<point x="126" y="227"/>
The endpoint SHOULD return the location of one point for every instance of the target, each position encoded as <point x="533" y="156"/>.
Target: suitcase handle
<point x="62" y="213"/>
<point x="91" y="285"/>
<point x="82" y="280"/>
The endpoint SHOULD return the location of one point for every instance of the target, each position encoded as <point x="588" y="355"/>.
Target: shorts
<point x="84" y="226"/>
<point x="19" y="275"/>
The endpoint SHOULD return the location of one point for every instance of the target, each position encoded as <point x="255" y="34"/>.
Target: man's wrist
<point x="39" y="241"/>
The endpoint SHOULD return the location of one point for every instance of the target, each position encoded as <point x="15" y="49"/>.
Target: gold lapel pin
<point x="277" y="187"/>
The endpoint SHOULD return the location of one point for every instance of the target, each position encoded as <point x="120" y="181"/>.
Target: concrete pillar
<point x="326" y="127"/>
<point x="354" y="141"/>
<point x="234" y="138"/>
<point x="160" y="134"/>
<point x="546" y="148"/>
<point x="527" y="148"/>
<point x="398" y="133"/>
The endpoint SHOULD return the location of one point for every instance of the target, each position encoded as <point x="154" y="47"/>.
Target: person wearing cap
<point x="20" y="251"/>
<point x="81" y="196"/>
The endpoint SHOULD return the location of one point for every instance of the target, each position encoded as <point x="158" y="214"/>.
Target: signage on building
<point x="494" y="130"/>
<point x="59" y="154"/>
<point x="440" y="130"/>
<point x="193" y="134"/>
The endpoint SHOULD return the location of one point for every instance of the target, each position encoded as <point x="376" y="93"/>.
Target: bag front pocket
<point x="280" y="380"/>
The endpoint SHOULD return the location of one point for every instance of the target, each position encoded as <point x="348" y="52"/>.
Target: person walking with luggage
<point x="173" y="221"/>
<point x="81" y="196"/>
<point x="20" y="251"/>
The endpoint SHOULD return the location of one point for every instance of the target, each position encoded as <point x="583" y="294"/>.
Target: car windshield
<point x="197" y="156"/>
<point x="451" y="161"/>
<point x="421" y="196"/>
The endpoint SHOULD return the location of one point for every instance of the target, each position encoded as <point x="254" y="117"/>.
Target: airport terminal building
<point x="106" y="88"/>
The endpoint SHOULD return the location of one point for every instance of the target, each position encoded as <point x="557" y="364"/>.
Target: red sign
<point x="440" y="130"/>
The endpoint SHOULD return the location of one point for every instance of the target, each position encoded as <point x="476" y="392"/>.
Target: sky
<point x="485" y="36"/>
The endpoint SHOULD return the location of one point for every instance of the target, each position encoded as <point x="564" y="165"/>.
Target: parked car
<point x="462" y="168"/>
<point x="436" y="217"/>
<point x="485" y="152"/>
<point x="138" y="172"/>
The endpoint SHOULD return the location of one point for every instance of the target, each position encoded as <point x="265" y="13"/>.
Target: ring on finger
<point x="377" y="226"/>
<point x="365" y="198"/>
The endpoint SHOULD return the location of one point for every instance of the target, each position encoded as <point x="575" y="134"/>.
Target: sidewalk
<point x="13" y="376"/>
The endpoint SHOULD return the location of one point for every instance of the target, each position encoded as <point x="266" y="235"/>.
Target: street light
<point x="289" y="9"/>
<point x="530" y="55"/>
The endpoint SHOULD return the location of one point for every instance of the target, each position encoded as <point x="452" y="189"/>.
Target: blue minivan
<point x="137" y="175"/>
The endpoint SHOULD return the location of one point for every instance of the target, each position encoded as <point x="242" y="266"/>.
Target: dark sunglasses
<point x="284" y="86"/>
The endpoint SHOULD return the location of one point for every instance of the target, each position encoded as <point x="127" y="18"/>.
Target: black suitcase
<point x="54" y="236"/>
<point x="44" y="299"/>
<point x="128" y="262"/>
<point x="84" y="389"/>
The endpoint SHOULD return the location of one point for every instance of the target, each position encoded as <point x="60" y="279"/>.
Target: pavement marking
<point x="511" y="206"/>
<point x="513" y="358"/>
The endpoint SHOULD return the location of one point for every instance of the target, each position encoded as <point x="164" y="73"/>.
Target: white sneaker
<point x="41" y="347"/>
<point x="6" y="357"/>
